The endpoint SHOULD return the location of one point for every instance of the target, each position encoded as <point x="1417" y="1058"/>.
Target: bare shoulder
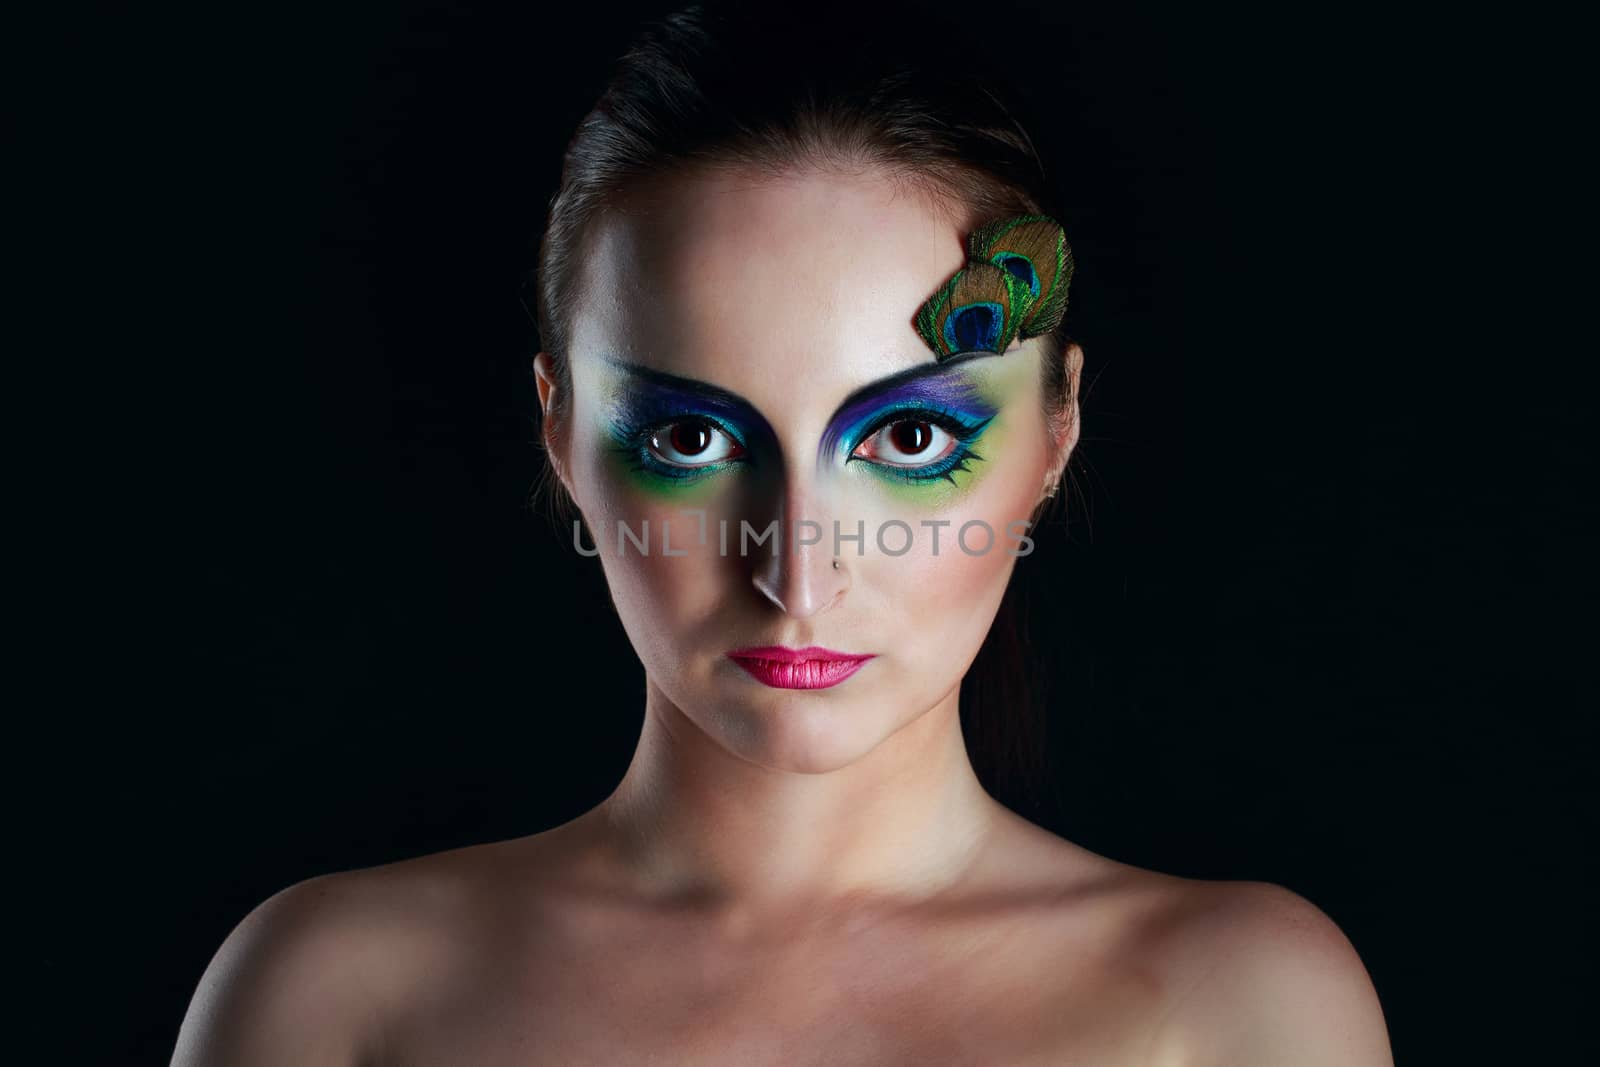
<point x="1260" y="975"/>
<point x="310" y="973"/>
<point x="1236" y="973"/>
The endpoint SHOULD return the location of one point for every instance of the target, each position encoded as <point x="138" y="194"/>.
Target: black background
<point x="1315" y="617"/>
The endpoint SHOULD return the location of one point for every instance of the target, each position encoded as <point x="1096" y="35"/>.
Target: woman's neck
<point x="901" y="823"/>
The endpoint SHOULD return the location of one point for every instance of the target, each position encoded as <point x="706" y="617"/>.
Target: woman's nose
<point x="800" y="578"/>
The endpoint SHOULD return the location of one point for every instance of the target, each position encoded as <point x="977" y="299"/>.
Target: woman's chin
<point x="796" y="732"/>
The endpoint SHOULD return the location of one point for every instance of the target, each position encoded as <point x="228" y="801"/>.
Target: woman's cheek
<point x="655" y="567"/>
<point x="938" y="596"/>
<point x="957" y="587"/>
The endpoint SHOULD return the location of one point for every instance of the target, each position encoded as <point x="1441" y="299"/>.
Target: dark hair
<point x="765" y="87"/>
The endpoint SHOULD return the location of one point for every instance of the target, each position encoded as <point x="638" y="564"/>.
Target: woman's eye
<point x="907" y="443"/>
<point x="692" y="443"/>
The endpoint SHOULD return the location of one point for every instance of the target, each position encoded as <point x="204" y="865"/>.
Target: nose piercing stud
<point x="835" y="564"/>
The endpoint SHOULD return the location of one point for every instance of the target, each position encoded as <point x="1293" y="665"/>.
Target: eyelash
<point x="635" y="445"/>
<point x="961" y="428"/>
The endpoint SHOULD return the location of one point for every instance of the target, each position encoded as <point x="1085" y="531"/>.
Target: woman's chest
<point x="884" y="997"/>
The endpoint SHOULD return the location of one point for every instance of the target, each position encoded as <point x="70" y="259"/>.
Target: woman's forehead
<point x="734" y="276"/>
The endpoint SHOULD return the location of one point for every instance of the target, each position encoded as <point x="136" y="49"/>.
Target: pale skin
<point x="787" y="876"/>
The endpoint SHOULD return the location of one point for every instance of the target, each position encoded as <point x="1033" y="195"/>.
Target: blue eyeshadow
<point x="954" y="398"/>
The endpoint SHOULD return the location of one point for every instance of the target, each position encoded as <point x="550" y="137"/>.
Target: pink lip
<point x="812" y="667"/>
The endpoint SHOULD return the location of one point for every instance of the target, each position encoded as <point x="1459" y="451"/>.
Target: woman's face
<point x="743" y="355"/>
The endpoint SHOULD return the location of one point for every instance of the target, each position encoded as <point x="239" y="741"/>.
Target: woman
<point x="805" y="377"/>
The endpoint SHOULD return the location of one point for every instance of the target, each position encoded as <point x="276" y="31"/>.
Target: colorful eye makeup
<point x="916" y="430"/>
<point x="913" y="428"/>
<point x="917" y="444"/>
<point x="675" y="432"/>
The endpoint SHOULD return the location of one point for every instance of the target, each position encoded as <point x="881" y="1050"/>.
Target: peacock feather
<point x="1014" y="283"/>
<point x="980" y="307"/>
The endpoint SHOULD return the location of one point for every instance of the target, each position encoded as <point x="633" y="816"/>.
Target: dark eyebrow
<point x="737" y="407"/>
<point x="926" y="383"/>
<point x="872" y="390"/>
<point x="690" y="392"/>
<point x="712" y="394"/>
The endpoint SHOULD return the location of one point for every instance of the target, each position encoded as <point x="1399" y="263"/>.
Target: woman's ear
<point x="552" y="405"/>
<point x="1065" y="433"/>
